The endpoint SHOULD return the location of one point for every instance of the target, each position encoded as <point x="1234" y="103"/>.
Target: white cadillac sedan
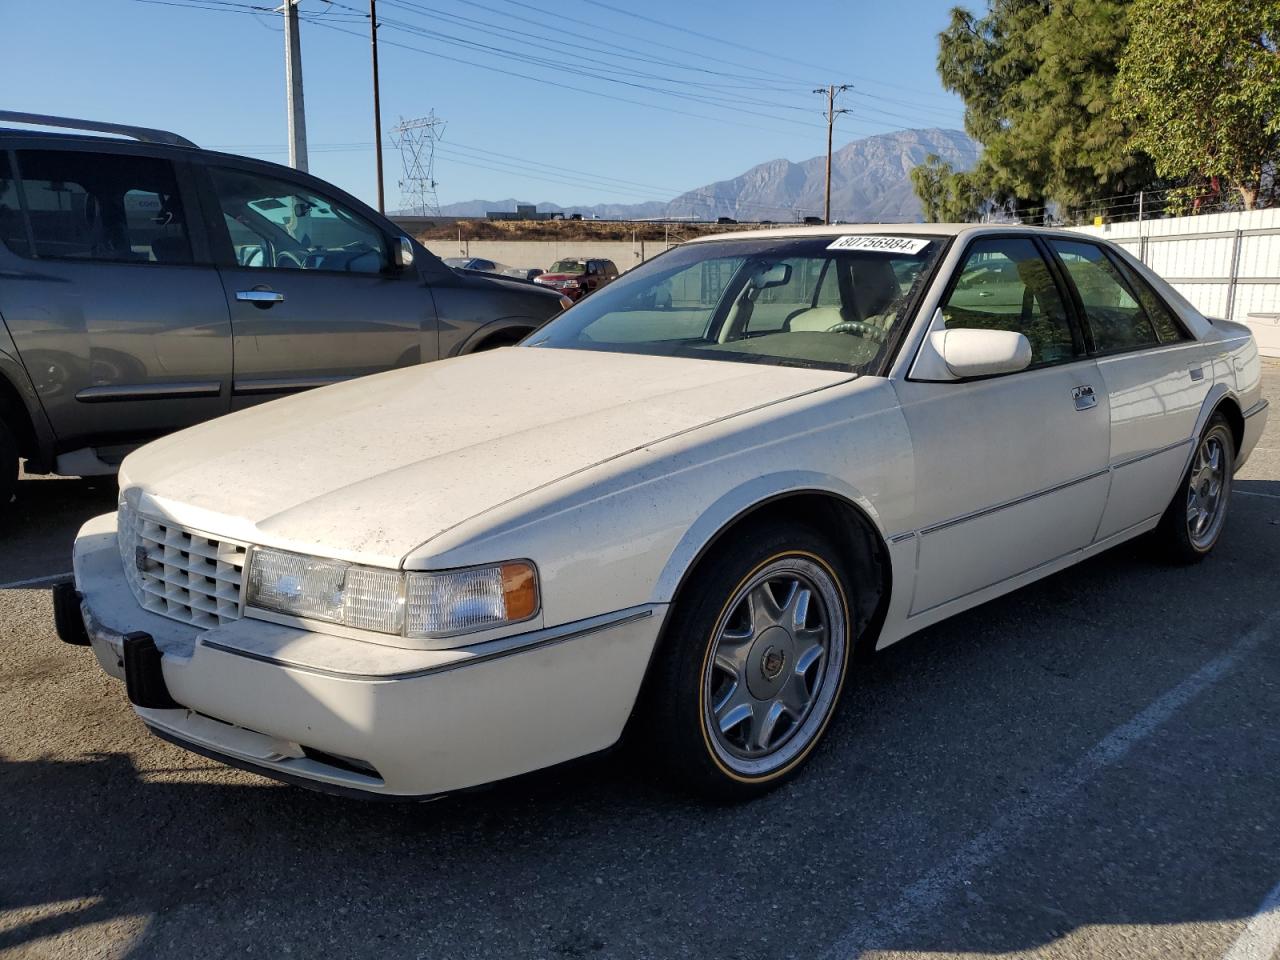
<point x="694" y="500"/>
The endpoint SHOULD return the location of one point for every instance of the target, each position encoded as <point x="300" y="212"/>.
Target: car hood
<point x="560" y="276"/>
<point x="369" y="469"/>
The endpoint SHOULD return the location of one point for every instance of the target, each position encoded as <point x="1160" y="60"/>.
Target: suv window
<point x="1006" y="285"/>
<point x="282" y="225"/>
<point x="103" y="206"/>
<point x="1116" y="318"/>
<point x="13" y="228"/>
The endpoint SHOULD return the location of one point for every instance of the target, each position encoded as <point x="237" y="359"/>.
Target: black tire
<point x="508" y="338"/>
<point x="679" y="720"/>
<point x="8" y="464"/>
<point x="1179" y="538"/>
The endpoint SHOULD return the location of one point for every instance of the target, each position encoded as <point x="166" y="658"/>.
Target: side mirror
<point x="958" y="354"/>
<point x="403" y="253"/>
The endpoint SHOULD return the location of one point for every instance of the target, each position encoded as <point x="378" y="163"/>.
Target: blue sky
<point x="217" y="76"/>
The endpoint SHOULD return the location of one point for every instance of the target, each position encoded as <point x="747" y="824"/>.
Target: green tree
<point x="946" y="195"/>
<point x="1200" y="86"/>
<point x="1037" y="79"/>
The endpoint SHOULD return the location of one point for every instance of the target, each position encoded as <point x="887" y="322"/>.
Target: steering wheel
<point x="865" y="330"/>
<point x="291" y="260"/>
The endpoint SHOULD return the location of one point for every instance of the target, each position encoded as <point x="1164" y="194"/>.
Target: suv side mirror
<point x="403" y="253"/>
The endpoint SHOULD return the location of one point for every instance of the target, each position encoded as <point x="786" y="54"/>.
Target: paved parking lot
<point x="1089" y="767"/>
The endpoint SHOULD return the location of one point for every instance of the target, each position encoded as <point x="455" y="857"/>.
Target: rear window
<point x="101" y="206"/>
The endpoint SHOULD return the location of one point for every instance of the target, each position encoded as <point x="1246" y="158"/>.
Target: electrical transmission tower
<point x="416" y="140"/>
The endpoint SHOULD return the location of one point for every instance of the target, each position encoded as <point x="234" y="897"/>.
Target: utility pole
<point x="831" y="92"/>
<point x="293" y="87"/>
<point x="377" y="105"/>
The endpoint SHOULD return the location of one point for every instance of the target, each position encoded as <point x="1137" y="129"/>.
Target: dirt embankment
<point x="446" y="229"/>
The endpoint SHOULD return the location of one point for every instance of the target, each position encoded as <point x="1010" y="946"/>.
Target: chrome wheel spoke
<point x="735" y="709"/>
<point x="731" y="653"/>
<point x="767" y="723"/>
<point x="795" y="695"/>
<point x="765" y="609"/>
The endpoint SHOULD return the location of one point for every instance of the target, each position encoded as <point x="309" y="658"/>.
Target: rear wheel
<point x="8" y="464"/>
<point x="1193" y="522"/>
<point x="753" y="662"/>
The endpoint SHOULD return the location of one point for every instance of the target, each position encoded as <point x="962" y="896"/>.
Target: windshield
<point x="569" y="266"/>
<point x="793" y="301"/>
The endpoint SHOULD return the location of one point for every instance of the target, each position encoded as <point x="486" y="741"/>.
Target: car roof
<point x="888" y="229"/>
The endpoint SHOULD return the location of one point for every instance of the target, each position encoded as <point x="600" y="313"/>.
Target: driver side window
<point x="276" y="224"/>
<point x="1006" y="285"/>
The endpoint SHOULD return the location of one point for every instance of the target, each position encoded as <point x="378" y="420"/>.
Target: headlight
<point x="417" y="605"/>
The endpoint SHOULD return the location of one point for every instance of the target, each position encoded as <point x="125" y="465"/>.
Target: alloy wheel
<point x="776" y="665"/>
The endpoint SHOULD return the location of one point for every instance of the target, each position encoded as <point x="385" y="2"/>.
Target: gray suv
<point x="146" y="285"/>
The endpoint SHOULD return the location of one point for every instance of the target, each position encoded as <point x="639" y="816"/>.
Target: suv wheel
<point x="8" y="464"/>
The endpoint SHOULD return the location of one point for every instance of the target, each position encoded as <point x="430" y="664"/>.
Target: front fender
<point x="741" y="500"/>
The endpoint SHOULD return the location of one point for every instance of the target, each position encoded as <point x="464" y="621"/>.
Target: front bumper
<point x="345" y="715"/>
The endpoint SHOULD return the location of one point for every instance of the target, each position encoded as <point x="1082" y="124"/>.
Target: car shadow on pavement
<point x="945" y="814"/>
<point x="39" y="526"/>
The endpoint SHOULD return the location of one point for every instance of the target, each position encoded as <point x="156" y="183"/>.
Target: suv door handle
<point x="1084" y="397"/>
<point x="260" y="297"/>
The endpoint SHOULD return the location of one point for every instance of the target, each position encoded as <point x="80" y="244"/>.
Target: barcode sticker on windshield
<point x="905" y="245"/>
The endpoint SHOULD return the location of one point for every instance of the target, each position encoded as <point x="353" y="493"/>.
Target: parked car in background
<point x="147" y="285"/>
<point x="523" y="273"/>
<point x="478" y="264"/>
<point x="819" y="445"/>
<point x="576" y="278"/>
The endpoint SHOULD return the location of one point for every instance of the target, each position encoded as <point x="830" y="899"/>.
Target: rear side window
<point x="1167" y="325"/>
<point x="102" y="206"/>
<point x="1005" y="285"/>
<point x="1116" y="318"/>
<point x="13" y="229"/>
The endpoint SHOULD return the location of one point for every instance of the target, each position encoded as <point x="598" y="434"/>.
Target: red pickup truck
<point x="576" y="278"/>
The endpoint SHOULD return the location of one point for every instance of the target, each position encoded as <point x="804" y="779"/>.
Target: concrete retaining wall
<point x="543" y="253"/>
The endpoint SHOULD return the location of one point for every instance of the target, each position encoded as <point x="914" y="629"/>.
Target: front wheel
<point x="753" y="662"/>
<point x="1193" y="522"/>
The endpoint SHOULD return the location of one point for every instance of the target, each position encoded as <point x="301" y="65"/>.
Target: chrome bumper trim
<point x="483" y="652"/>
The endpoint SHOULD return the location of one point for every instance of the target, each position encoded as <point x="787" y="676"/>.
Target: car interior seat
<point x="874" y="290"/>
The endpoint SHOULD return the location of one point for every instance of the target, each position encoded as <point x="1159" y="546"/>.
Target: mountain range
<point x="870" y="181"/>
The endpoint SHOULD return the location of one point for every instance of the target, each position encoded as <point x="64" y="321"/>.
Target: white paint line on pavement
<point x="930" y="891"/>
<point x="36" y="581"/>
<point x="1261" y="938"/>
<point x="1251" y="493"/>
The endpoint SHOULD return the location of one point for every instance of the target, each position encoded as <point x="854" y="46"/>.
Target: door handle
<point x="260" y="297"/>
<point x="1084" y="397"/>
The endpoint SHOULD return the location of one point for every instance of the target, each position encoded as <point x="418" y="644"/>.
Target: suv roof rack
<point x="142" y="134"/>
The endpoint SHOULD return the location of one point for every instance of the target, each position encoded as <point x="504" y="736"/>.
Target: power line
<point x="438" y="36"/>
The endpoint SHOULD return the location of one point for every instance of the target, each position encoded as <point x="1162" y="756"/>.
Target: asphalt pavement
<point x="1089" y="767"/>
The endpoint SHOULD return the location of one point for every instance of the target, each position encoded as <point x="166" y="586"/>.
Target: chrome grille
<point x="179" y="573"/>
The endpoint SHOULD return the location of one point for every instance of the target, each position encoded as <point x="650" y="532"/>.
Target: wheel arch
<point x="506" y="330"/>
<point x="1229" y="407"/>
<point x="823" y="502"/>
<point x="16" y="411"/>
